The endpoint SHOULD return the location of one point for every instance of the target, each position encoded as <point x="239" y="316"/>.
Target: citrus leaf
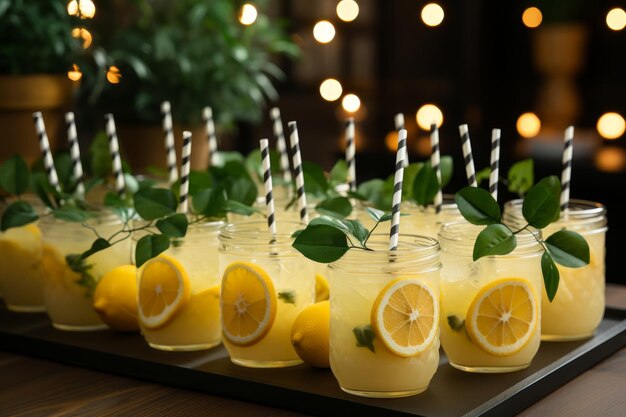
<point x="321" y="243"/>
<point x="18" y="213"/>
<point x="150" y="246"/>
<point x="478" y="206"/>
<point x="174" y="225"/>
<point x="210" y="202"/>
<point x="550" y="275"/>
<point x="568" y="248"/>
<point x="541" y="205"/>
<point x="495" y="239"/>
<point x="153" y="203"/>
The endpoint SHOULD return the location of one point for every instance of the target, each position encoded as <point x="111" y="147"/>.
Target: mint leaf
<point x="456" y="323"/>
<point x="150" y="246"/>
<point x="174" y="225"/>
<point x="541" y="205"/>
<point x="521" y="177"/>
<point x="98" y="245"/>
<point x="154" y="203"/>
<point x="321" y="243"/>
<point x="550" y="275"/>
<point x="339" y="173"/>
<point x="15" y="175"/>
<point x="210" y="202"/>
<point x="18" y="213"/>
<point x="288" y="297"/>
<point x="425" y="186"/>
<point x="568" y="248"/>
<point x="495" y="239"/>
<point x="477" y="206"/>
<point x="365" y="337"/>
<point x="335" y="206"/>
<point x="71" y="214"/>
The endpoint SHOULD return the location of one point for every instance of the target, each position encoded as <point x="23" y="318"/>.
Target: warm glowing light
<point x="616" y="19"/>
<point x="347" y="10"/>
<point x="72" y="8"/>
<point x="82" y="33"/>
<point x="532" y="17"/>
<point x="427" y="114"/>
<point x="432" y="14"/>
<point x="113" y="75"/>
<point x="610" y="159"/>
<point x="528" y="125"/>
<point x="611" y="125"/>
<point x="87" y="9"/>
<point x="351" y="103"/>
<point x="330" y="89"/>
<point x="74" y="74"/>
<point x="391" y="141"/>
<point x="323" y="31"/>
<point x="248" y="14"/>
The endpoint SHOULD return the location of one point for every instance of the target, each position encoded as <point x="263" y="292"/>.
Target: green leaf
<point x="335" y="206"/>
<point x="150" y="246"/>
<point x="42" y="188"/>
<point x="425" y="186"/>
<point x="456" y="323"/>
<point x="321" y="243"/>
<point x="18" y="213"/>
<point x="287" y="297"/>
<point x="376" y="193"/>
<point x="446" y="165"/>
<point x="63" y="166"/>
<point x="339" y="173"/>
<point x="78" y="264"/>
<point x="375" y="214"/>
<point x="331" y="221"/>
<point x="224" y="157"/>
<point x="15" y="175"/>
<point x="356" y="196"/>
<point x="357" y="230"/>
<point x="132" y="185"/>
<point x="483" y="175"/>
<point x="364" y="336"/>
<point x="478" y="206"/>
<point x="174" y="225"/>
<point x="495" y="239"/>
<point x="198" y="181"/>
<point x="521" y="176"/>
<point x="210" y="202"/>
<point x="98" y="245"/>
<point x="410" y="172"/>
<point x="71" y="214"/>
<point x="568" y="248"/>
<point x="232" y="206"/>
<point x="242" y="190"/>
<point x="114" y="200"/>
<point x="541" y="205"/>
<point x="153" y="203"/>
<point x="254" y="166"/>
<point x="550" y="275"/>
<point x="314" y="179"/>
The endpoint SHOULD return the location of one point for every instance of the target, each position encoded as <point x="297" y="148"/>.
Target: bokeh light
<point x="610" y="159"/>
<point x="248" y="14"/>
<point x="351" y="103"/>
<point x="323" y="31"/>
<point x="74" y="74"/>
<point x="532" y="17"/>
<point x="72" y="8"/>
<point x="616" y="19"/>
<point x="114" y="75"/>
<point x="331" y="89"/>
<point x="347" y="10"/>
<point x="84" y="34"/>
<point x="528" y="125"/>
<point x="391" y="141"/>
<point x="611" y="125"/>
<point x="432" y="14"/>
<point x="85" y="9"/>
<point x="427" y="114"/>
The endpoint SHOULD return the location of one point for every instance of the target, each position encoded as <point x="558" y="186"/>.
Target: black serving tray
<point x="308" y="390"/>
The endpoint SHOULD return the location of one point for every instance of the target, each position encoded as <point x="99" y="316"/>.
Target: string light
<point x="616" y="19"/>
<point x="85" y="9"/>
<point x="113" y="75"/>
<point x="532" y="17"/>
<point x="331" y="89"/>
<point x="82" y="33"/>
<point x="323" y="31"/>
<point x="347" y="10"/>
<point x="426" y="114"/>
<point x="610" y="159"/>
<point x="74" y="74"/>
<point x="351" y="103"/>
<point x="611" y="125"/>
<point x="432" y="14"/>
<point x="248" y="14"/>
<point x="528" y="125"/>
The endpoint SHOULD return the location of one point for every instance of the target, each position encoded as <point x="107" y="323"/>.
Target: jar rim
<point x="254" y="232"/>
<point x="463" y="234"/>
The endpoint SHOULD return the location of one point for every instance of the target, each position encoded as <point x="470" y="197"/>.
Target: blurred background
<point x="530" y="68"/>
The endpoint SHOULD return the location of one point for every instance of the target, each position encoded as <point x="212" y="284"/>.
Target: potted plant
<point x="192" y="53"/>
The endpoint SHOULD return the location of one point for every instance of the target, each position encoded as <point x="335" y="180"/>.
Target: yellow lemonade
<point x="504" y="288"/>
<point x="361" y="358"/>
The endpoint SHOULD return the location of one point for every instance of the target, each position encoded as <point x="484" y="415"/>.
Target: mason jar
<point x="578" y="306"/>
<point x="490" y="308"/>
<point x="370" y="288"/>
<point x="426" y="221"/>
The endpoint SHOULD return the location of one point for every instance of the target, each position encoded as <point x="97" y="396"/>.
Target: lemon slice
<point x="503" y="316"/>
<point x="405" y="316"/>
<point x="322" y="291"/>
<point x="163" y="290"/>
<point x="248" y="303"/>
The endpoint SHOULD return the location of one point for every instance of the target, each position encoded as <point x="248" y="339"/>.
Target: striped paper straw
<point x="44" y="145"/>
<point x="114" y="149"/>
<point x="495" y="163"/>
<point x="207" y="116"/>
<point x="185" y="167"/>
<point x="168" y="128"/>
<point x="566" y="174"/>
<point x="467" y="156"/>
<point x="435" y="162"/>
<point x="267" y="180"/>
<point x="77" y="166"/>
<point x="399" y="124"/>
<point x="281" y="145"/>
<point x="351" y="153"/>
<point x="297" y="167"/>
<point x="397" y="191"/>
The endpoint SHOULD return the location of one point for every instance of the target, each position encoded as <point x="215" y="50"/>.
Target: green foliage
<point x="365" y="336"/>
<point x="521" y="177"/>
<point x="153" y="203"/>
<point x="495" y="239"/>
<point x="149" y="247"/>
<point x="15" y="175"/>
<point x="78" y="264"/>
<point x="17" y="214"/>
<point x="477" y="206"/>
<point x="335" y="206"/>
<point x="173" y="226"/>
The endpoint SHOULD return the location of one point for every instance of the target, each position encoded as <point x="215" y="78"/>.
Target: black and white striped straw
<point x="394" y="232"/>
<point x="207" y="116"/>
<point x="351" y="153"/>
<point x="435" y="163"/>
<point x="495" y="163"/>
<point x="470" y="171"/>
<point x="297" y="167"/>
<point x="185" y="167"/>
<point x="264" y="144"/>
<point x="281" y="145"/>
<point x="566" y="173"/>
<point x="114" y="149"/>
<point x="44" y="145"/>
<point x="77" y="166"/>
<point x="170" y="150"/>
<point x="399" y="124"/>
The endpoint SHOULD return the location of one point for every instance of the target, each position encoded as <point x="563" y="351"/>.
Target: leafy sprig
<point x="519" y="179"/>
<point x="540" y="208"/>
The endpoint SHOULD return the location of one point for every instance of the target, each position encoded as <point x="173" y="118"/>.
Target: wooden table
<point x="34" y="387"/>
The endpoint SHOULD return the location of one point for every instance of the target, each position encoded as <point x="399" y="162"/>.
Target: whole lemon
<point x="115" y="298"/>
<point x="309" y="334"/>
